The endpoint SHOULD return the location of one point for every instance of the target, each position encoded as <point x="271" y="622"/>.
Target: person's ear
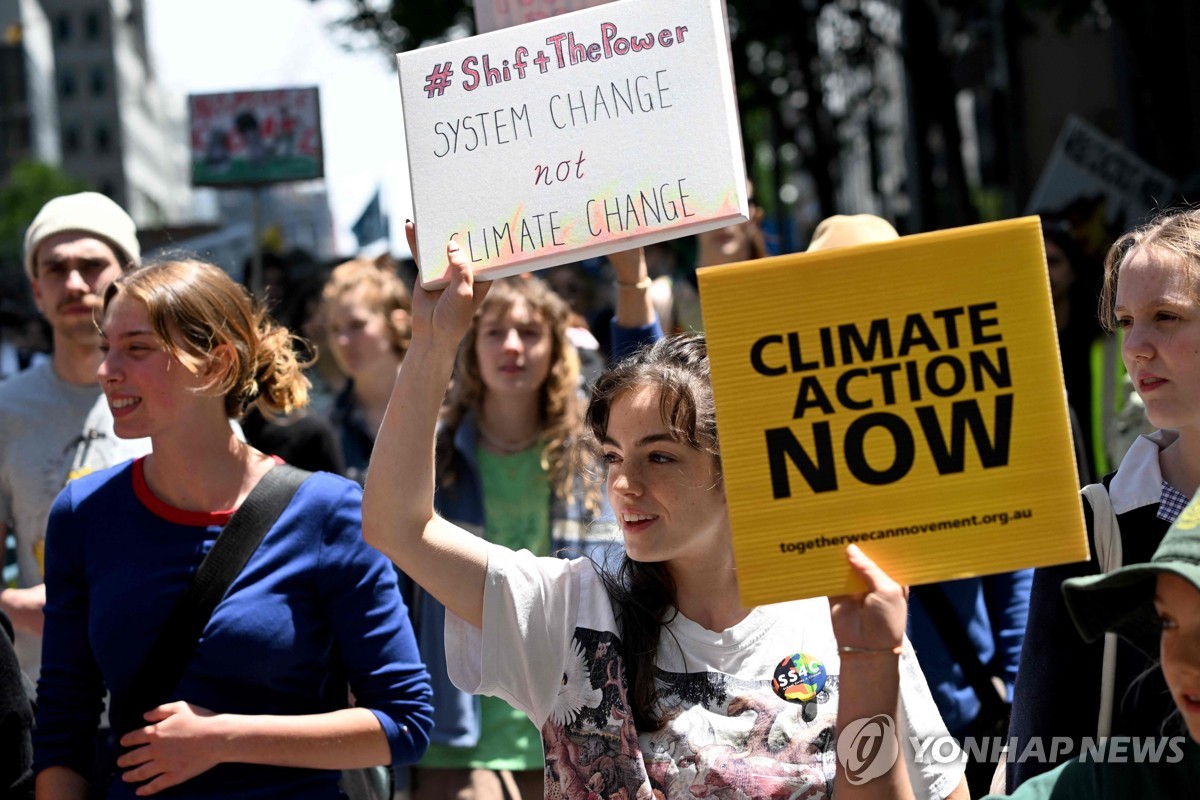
<point x="37" y="297"/>
<point x="219" y="364"/>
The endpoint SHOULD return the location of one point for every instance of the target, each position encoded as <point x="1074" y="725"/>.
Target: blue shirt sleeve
<point x="70" y="688"/>
<point x="625" y="341"/>
<point x="373" y="634"/>
<point x="1007" y="599"/>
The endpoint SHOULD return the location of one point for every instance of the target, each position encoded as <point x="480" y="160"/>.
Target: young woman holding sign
<point x="1152" y="296"/>
<point x="653" y="678"/>
<point x="512" y="468"/>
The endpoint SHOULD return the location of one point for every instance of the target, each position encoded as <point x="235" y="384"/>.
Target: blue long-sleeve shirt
<point x="117" y="559"/>
<point x="992" y="610"/>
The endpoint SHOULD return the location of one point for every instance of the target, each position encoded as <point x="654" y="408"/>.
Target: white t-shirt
<point x="549" y="647"/>
<point x="51" y="432"/>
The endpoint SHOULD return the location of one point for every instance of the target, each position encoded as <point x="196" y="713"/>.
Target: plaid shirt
<point x="1171" y="503"/>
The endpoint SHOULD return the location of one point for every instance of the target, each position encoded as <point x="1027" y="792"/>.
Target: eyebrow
<point x="645" y="440"/>
<point x="131" y="334"/>
<point x="90" y="261"/>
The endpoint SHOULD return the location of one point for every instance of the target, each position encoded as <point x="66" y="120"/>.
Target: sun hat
<point x="85" y="212"/>
<point x="844" y="230"/>
<point x="1123" y="600"/>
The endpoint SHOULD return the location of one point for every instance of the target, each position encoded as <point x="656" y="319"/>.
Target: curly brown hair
<point x="560" y="408"/>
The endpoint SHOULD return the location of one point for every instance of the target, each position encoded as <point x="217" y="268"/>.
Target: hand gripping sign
<point x="572" y="137"/>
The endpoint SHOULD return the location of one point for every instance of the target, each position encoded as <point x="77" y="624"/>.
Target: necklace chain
<point x="507" y="448"/>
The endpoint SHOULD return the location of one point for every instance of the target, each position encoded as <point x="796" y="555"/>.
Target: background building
<point x="118" y="132"/>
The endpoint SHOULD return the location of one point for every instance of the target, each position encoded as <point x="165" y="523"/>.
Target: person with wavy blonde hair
<point x="365" y="308"/>
<point x="495" y="375"/>
<point x="1064" y="688"/>
<point x="255" y="713"/>
<point x="510" y="466"/>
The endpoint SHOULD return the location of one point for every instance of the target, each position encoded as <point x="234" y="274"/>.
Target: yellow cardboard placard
<point x="906" y="396"/>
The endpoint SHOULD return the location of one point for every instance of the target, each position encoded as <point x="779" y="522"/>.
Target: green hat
<point x="1123" y="600"/>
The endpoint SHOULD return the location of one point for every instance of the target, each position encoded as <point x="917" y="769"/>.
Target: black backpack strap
<point x="954" y="635"/>
<point x="171" y="653"/>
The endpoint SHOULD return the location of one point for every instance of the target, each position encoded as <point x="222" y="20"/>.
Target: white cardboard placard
<point x="492" y="15"/>
<point x="573" y="137"/>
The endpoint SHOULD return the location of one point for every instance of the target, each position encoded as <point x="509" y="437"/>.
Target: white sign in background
<point x="572" y="137"/>
<point x="492" y="15"/>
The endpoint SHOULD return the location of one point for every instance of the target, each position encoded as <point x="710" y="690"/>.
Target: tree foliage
<point x="28" y="187"/>
<point x="851" y="105"/>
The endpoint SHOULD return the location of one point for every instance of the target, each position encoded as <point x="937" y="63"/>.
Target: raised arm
<point x="870" y="630"/>
<point x="398" y="516"/>
<point x="870" y="633"/>
<point x="635" y="322"/>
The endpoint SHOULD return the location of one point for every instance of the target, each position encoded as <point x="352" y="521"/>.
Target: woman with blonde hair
<point x="365" y="308"/>
<point x="312" y="609"/>
<point x="1152" y="295"/>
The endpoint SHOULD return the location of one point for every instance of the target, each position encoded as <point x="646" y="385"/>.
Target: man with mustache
<point x="54" y="423"/>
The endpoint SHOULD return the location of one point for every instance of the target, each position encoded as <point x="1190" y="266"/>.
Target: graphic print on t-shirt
<point x="724" y="737"/>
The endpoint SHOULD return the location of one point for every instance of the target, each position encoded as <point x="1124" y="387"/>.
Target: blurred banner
<point x="492" y="15"/>
<point x="255" y="137"/>
<point x="1097" y="184"/>
<point x="371" y="225"/>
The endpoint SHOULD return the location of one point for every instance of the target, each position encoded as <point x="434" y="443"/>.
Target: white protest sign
<point x="1087" y="165"/>
<point x="573" y="137"/>
<point x="492" y="15"/>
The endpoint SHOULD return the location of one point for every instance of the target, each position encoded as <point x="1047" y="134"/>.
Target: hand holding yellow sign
<point x="906" y="396"/>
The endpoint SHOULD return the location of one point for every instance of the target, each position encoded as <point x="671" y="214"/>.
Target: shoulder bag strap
<point x="954" y="635"/>
<point x="171" y="653"/>
<point x="1106" y="532"/>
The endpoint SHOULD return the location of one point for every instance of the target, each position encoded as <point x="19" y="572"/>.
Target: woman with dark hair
<point x="653" y="679"/>
<point x="257" y="712"/>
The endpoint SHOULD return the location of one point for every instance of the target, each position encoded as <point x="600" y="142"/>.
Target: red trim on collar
<point x="170" y="513"/>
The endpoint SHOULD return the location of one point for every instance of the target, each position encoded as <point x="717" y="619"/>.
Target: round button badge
<point x="799" y="678"/>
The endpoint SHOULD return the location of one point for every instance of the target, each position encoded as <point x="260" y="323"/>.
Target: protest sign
<point x="492" y="15"/>
<point x="245" y="138"/>
<point x="1099" y="183"/>
<point x="906" y="396"/>
<point x="573" y="137"/>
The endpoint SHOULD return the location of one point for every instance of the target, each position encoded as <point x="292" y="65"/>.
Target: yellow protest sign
<point x="906" y="396"/>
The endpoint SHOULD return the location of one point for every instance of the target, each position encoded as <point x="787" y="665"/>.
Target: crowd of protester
<point x="560" y="614"/>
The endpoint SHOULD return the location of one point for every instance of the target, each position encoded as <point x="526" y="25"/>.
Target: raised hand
<point x="629" y="266"/>
<point x="446" y="313"/>
<point x="873" y="620"/>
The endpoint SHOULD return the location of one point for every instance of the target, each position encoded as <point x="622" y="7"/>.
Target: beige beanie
<point x="843" y="231"/>
<point x="86" y="212"/>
